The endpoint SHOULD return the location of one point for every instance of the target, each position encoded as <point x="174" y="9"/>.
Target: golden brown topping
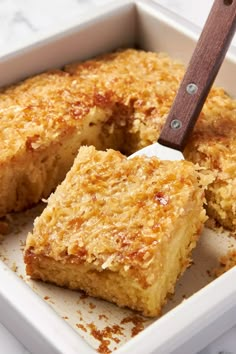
<point x="110" y="212"/>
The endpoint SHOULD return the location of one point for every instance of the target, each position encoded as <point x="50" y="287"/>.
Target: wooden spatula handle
<point x="201" y="72"/>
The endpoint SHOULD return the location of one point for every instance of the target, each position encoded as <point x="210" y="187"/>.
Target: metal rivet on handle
<point x="191" y="88"/>
<point x="176" y="124"/>
<point x="228" y="2"/>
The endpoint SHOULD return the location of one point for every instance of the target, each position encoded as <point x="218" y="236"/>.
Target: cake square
<point x="119" y="229"/>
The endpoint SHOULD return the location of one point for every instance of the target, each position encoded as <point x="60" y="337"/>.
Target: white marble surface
<point x="21" y="23"/>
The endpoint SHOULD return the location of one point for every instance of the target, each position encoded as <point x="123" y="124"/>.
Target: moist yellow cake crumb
<point x="119" y="229"/>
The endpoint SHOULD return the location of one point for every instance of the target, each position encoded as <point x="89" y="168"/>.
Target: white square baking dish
<point x="53" y="320"/>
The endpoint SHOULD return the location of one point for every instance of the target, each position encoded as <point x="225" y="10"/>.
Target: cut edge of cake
<point x="141" y="271"/>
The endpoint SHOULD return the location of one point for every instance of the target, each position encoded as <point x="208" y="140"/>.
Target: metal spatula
<point x="204" y="65"/>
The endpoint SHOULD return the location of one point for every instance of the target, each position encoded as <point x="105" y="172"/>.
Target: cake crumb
<point x="103" y="347"/>
<point x="138" y="324"/>
<point x="22" y="245"/>
<point x="208" y="272"/>
<point x="103" y="317"/>
<point x="105" y="335"/>
<point x="81" y="326"/>
<point x="14" y="267"/>
<point x="227" y="262"/>
<point x="92" y="306"/>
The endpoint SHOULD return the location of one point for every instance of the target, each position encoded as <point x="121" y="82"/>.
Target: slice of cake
<point x="119" y="229"/>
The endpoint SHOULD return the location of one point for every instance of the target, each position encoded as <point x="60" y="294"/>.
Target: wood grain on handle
<point x="202" y="70"/>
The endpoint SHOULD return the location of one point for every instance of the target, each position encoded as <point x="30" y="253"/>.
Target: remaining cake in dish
<point x="147" y="83"/>
<point x="118" y="101"/>
<point x="119" y="229"/>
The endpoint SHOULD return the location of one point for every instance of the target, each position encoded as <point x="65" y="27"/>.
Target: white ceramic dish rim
<point x="43" y="330"/>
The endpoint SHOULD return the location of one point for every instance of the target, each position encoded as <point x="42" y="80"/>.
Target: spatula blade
<point x="204" y="65"/>
<point x="160" y="151"/>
